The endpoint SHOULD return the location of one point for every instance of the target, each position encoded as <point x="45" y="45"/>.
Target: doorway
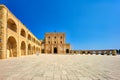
<point x="67" y="50"/>
<point x="55" y="50"/>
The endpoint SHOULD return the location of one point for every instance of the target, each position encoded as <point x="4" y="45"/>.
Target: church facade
<point x="56" y="43"/>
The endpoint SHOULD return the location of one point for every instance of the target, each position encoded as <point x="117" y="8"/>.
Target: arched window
<point x="23" y="33"/>
<point x="11" y="25"/>
<point x="29" y="37"/>
<point x="48" y="37"/>
<point x="48" y="42"/>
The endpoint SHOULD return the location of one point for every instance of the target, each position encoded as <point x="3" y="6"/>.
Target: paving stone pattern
<point x="61" y="67"/>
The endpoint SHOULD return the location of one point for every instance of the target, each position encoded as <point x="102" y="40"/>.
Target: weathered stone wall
<point x="3" y="19"/>
<point x="15" y="39"/>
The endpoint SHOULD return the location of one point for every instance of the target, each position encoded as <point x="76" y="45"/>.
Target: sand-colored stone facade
<point x="55" y="43"/>
<point x="15" y="39"/>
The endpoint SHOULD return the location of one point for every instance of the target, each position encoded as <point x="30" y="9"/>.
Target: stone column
<point x="3" y="34"/>
<point x="26" y="43"/>
<point x="18" y="40"/>
<point x="96" y="52"/>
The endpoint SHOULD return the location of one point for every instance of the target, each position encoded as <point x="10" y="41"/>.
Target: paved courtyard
<point x="61" y="67"/>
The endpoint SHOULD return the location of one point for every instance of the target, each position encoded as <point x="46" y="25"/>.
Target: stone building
<point x="15" y="39"/>
<point x="55" y="43"/>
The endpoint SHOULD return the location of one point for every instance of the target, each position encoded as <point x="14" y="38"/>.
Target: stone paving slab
<point x="61" y="67"/>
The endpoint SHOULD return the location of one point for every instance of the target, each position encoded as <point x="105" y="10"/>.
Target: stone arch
<point x="12" y="47"/>
<point x="23" y="33"/>
<point x="29" y="37"/>
<point x="89" y="52"/>
<point x="29" y="49"/>
<point x="67" y="50"/>
<point x="11" y="25"/>
<point x="55" y="50"/>
<point x="83" y="52"/>
<point x="23" y="48"/>
<point x="74" y="51"/>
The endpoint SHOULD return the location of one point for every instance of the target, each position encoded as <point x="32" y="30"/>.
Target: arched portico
<point x="12" y="47"/>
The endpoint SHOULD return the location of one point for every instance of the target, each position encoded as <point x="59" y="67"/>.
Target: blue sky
<point x="88" y="24"/>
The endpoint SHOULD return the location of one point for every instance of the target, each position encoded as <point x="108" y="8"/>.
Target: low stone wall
<point x="97" y="52"/>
